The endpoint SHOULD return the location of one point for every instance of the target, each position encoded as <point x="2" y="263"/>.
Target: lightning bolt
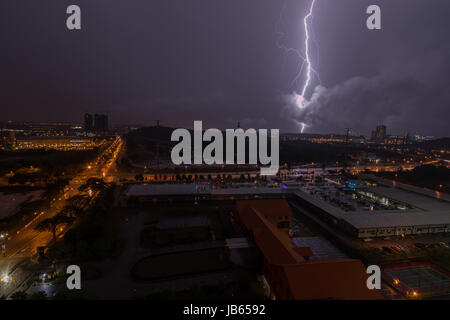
<point x="301" y="97"/>
<point x="302" y="127"/>
<point x="300" y="100"/>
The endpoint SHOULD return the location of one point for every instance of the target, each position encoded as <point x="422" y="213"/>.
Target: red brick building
<point x="287" y="269"/>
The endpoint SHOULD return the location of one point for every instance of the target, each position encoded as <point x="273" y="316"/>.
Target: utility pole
<point x="157" y="155"/>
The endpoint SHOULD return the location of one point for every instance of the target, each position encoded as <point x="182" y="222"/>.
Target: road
<point x="22" y="246"/>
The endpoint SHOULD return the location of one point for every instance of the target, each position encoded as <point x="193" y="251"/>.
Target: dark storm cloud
<point x="141" y="60"/>
<point x="218" y="61"/>
<point x="413" y="95"/>
<point x="397" y="76"/>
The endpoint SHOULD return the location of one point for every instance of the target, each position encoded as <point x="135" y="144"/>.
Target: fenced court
<point x="417" y="280"/>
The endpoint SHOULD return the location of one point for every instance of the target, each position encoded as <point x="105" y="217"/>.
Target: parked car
<point x="443" y="244"/>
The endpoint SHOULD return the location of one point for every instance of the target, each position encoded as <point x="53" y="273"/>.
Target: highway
<point x="22" y="246"/>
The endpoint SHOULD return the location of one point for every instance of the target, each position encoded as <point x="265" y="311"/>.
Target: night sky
<point x="221" y="61"/>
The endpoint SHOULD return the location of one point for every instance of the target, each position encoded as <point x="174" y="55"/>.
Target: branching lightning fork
<point x="305" y="59"/>
<point x="307" y="56"/>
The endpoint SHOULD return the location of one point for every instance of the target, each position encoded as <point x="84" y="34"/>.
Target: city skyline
<point x="230" y="72"/>
<point x="417" y="135"/>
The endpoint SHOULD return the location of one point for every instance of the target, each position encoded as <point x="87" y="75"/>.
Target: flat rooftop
<point x="167" y="189"/>
<point x="321" y="248"/>
<point x="425" y="210"/>
<point x="194" y="189"/>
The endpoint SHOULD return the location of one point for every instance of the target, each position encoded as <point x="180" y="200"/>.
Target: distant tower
<point x="157" y="123"/>
<point x="347" y="135"/>
<point x="407" y="138"/>
<point x="157" y="155"/>
<point x="88" y="122"/>
<point x="238" y="125"/>
<point x="379" y="134"/>
<point x="101" y="122"/>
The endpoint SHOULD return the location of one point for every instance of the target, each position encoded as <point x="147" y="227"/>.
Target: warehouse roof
<point x="193" y="189"/>
<point x="167" y="189"/>
<point x="426" y="210"/>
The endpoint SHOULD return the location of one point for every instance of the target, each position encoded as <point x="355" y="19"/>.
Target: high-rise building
<point x="100" y="122"/>
<point x="88" y="122"/>
<point x="379" y="134"/>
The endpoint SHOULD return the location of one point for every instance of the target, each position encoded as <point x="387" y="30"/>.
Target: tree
<point x="75" y="206"/>
<point x="51" y="224"/>
<point x="95" y="184"/>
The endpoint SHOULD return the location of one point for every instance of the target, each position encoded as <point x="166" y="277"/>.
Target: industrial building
<point x="424" y="211"/>
<point x="287" y="269"/>
<point x="153" y="193"/>
<point x="96" y="122"/>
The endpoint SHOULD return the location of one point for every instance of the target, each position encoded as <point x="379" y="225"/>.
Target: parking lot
<point x="398" y="245"/>
<point x="347" y="195"/>
<point x="419" y="278"/>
